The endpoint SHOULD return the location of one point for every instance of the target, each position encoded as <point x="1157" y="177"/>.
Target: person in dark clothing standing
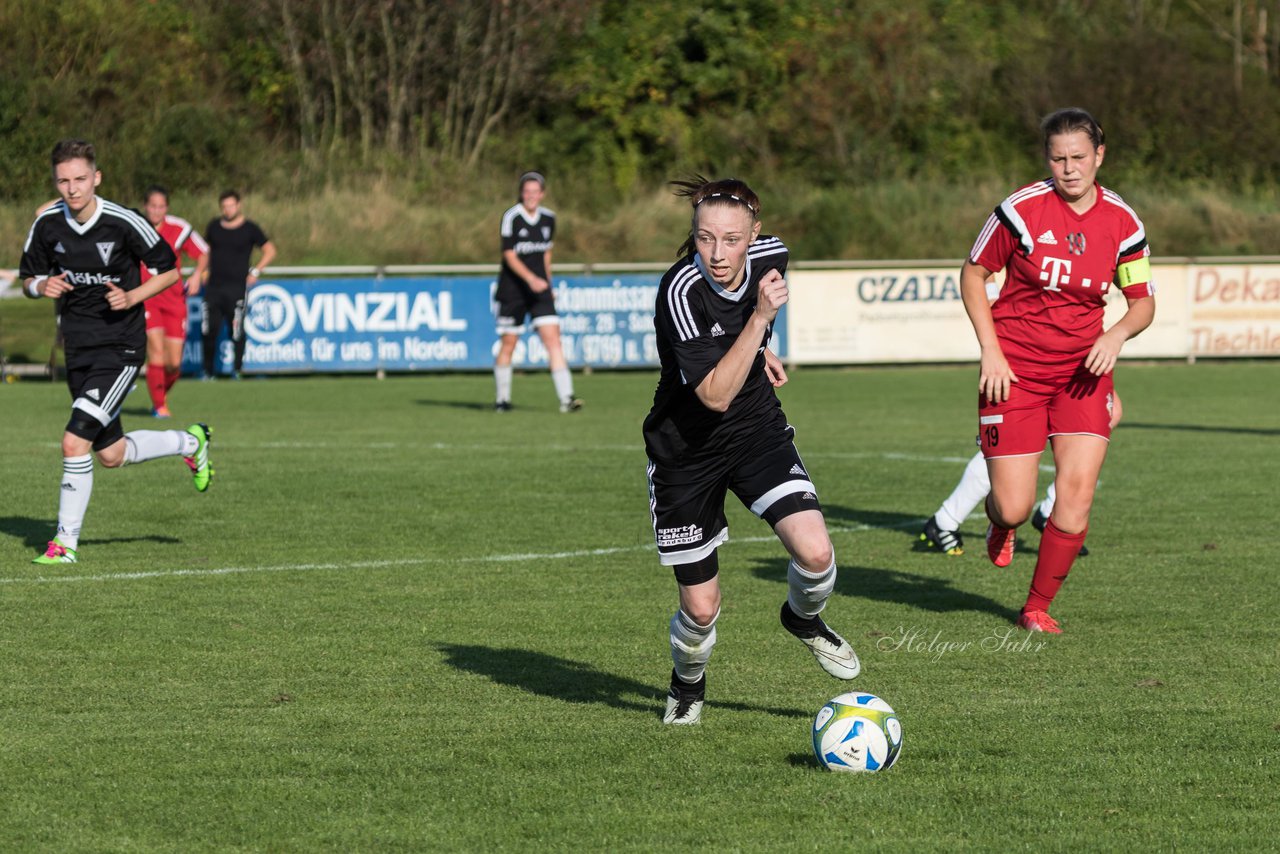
<point x="232" y="239"/>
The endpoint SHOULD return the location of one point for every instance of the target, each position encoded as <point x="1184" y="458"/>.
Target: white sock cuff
<point x="807" y="592"/>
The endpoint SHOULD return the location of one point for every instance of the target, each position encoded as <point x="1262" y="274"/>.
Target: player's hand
<point x="250" y="281"/>
<point x="772" y="296"/>
<point x="1102" y="358"/>
<point x="55" y="286"/>
<point x="774" y="369"/>
<point x="116" y="298"/>
<point x="539" y="285"/>
<point x="995" y="376"/>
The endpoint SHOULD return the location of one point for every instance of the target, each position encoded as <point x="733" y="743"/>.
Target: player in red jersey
<point x="167" y="310"/>
<point x="1064" y="242"/>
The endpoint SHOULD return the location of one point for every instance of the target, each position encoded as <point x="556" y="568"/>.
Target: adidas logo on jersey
<point x="795" y="469"/>
<point x="716" y="331"/>
<point x="1047" y="238"/>
<point x="808" y="496"/>
<point x="60" y="249"/>
<point x="93" y="393"/>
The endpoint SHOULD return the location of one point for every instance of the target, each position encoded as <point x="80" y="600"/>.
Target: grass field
<point x="398" y="621"/>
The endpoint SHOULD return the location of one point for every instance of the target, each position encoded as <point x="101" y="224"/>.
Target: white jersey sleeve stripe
<point x="984" y="236"/>
<point x="507" y="219"/>
<point x="678" y="304"/>
<point x="56" y="209"/>
<point x="1138" y="238"/>
<point x="183" y="235"/>
<point x="1013" y="220"/>
<point x="140" y="225"/>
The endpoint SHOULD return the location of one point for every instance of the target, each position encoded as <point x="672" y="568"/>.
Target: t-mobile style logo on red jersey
<point x="1057" y="271"/>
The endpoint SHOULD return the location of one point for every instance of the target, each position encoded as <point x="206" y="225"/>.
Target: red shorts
<point x="167" y="310"/>
<point x="1038" y="408"/>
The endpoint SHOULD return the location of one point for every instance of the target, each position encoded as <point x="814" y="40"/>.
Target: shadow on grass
<point x="904" y="588"/>
<point x="574" y="681"/>
<point x="847" y="518"/>
<point x="473" y="405"/>
<point x="35" y="533"/>
<point x="1201" y="428"/>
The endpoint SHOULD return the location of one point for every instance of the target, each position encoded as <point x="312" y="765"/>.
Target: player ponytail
<point x="700" y="191"/>
<point x="1070" y="120"/>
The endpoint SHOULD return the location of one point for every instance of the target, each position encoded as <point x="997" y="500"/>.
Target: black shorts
<point x="99" y="379"/>
<point x="516" y="301"/>
<point x="687" y="502"/>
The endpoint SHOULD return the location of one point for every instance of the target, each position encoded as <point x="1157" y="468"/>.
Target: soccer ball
<point x="857" y="732"/>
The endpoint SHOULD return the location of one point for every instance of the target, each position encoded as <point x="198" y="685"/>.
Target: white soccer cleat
<point x="684" y="701"/>
<point x="834" y="654"/>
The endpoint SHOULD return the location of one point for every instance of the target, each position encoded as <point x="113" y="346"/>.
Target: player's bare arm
<point x="196" y="280"/>
<point x="268" y="255"/>
<point x="120" y="299"/>
<point x="46" y="286"/>
<point x="718" y="389"/>
<point x="995" y="375"/>
<point x="1102" y="357"/>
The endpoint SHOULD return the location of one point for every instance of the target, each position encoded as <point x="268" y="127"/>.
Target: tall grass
<point x="453" y="219"/>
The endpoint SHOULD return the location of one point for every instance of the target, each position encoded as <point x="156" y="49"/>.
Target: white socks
<point x="564" y="384"/>
<point x="1050" y="496"/>
<point x="807" y="592"/>
<point x="143" y="445"/>
<point x="691" y="645"/>
<point x="77" y="486"/>
<point x="502" y="379"/>
<point x="974" y="485"/>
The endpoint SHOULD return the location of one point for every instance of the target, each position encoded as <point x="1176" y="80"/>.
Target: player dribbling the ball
<point x="717" y="425"/>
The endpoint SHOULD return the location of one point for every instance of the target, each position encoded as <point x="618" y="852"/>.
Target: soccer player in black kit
<point x="524" y="289"/>
<point x="231" y="240"/>
<point x="86" y="252"/>
<point x="716" y="425"/>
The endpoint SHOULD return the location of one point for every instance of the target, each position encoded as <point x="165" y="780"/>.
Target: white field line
<point x="387" y="564"/>
<point x="557" y="448"/>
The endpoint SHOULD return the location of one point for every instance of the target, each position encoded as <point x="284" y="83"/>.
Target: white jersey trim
<point x="139" y="223"/>
<point x="1135" y="239"/>
<point x="678" y="302"/>
<point x="53" y="210"/>
<point x="509" y="218"/>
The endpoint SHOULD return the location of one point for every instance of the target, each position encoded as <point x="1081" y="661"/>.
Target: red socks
<point x="171" y="377"/>
<point x="1057" y="552"/>
<point x="157" y="385"/>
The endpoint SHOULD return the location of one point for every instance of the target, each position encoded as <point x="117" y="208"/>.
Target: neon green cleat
<point x="56" y="553"/>
<point x="201" y="468"/>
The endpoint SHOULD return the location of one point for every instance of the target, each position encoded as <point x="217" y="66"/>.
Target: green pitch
<point x="400" y="621"/>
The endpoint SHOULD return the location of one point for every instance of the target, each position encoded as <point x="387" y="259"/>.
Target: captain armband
<point x="1135" y="272"/>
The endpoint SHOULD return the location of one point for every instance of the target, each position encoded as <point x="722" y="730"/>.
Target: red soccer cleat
<point x="1000" y="542"/>
<point x="1038" y="621"/>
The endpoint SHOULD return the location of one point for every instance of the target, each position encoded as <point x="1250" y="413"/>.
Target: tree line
<point x="286" y="95"/>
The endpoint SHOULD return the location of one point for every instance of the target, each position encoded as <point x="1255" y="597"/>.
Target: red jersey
<point x="1061" y="265"/>
<point x="183" y="239"/>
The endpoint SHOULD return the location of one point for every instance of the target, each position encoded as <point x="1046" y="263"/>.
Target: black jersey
<point x="108" y="248"/>
<point x="697" y="322"/>
<point x="530" y="237"/>
<point x="229" y="253"/>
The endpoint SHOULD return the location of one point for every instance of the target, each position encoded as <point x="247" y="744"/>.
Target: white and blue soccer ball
<point x="857" y="732"/>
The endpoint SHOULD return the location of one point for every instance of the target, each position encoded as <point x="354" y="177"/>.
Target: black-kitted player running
<point x="86" y="252"/>
<point x="717" y="425"/>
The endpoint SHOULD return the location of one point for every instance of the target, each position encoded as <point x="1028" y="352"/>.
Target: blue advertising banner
<point x="325" y="325"/>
